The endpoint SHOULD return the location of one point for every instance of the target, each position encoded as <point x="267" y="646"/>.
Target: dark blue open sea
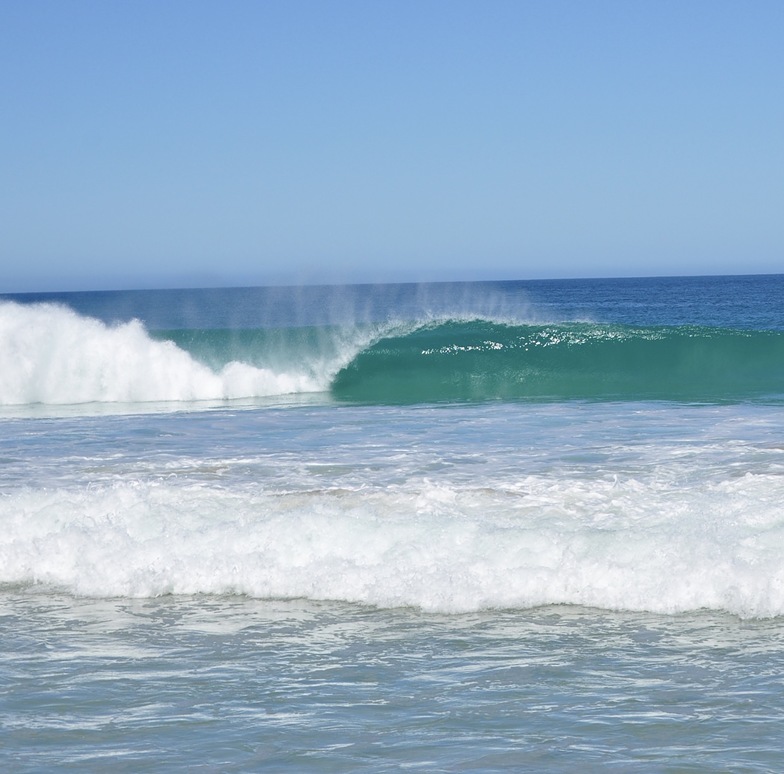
<point x="494" y="526"/>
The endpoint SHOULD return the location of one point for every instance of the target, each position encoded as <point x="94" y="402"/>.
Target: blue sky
<point x="187" y="143"/>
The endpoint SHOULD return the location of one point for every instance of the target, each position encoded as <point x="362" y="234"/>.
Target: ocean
<point x="489" y="526"/>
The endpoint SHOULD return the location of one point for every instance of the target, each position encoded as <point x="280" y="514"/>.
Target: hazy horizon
<point x="285" y="285"/>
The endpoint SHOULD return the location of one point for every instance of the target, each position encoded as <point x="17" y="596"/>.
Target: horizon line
<point x="335" y="284"/>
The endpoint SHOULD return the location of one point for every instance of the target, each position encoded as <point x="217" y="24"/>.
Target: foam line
<point x="633" y="544"/>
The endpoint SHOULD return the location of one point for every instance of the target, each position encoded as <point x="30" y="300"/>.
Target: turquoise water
<point x="479" y="527"/>
<point x="479" y="360"/>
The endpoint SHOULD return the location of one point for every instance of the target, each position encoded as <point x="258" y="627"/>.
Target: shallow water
<point x="236" y="684"/>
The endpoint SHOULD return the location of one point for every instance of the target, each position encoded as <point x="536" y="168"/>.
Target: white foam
<point x="51" y="355"/>
<point x="637" y="545"/>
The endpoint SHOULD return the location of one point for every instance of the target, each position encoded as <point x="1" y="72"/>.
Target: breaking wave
<point x="50" y="355"/>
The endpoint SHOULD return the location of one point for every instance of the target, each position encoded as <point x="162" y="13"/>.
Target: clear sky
<point x="186" y="143"/>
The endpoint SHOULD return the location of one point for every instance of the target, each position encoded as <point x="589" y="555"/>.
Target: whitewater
<point x="450" y="531"/>
<point x="478" y="526"/>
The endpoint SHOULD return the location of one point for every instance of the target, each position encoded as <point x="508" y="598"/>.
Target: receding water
<point x="236" y="684"/>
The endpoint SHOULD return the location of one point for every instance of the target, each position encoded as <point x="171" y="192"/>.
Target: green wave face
<point x="481" y="360"/>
